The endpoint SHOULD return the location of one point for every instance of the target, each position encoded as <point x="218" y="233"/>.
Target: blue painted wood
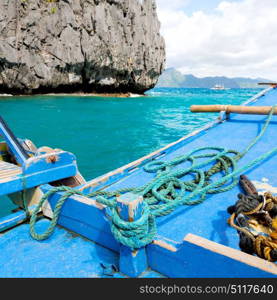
<point x="193" y="261"/>
<point x="13" y="219"/>
<point x="130" y="208"/>
<point x="93" y="223"/>
<point x="62" y="255"/>
<point x="14" y="145"/>
<point x="87" y="220"/>
<point x="38" y="170"/>
<point x="132" y="263"/>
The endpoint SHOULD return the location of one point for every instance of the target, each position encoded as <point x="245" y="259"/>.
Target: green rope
<point x="68" y="192"/>
<point x="166" y="192"/>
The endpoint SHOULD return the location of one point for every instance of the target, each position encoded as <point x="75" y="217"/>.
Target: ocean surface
<point x="106" y="133"/>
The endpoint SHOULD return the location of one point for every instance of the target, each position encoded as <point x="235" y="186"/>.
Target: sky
<point x="234" y="38"/>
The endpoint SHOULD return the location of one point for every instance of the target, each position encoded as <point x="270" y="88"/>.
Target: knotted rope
<point x="134" y="234"/>
<point x="166" y="192"/>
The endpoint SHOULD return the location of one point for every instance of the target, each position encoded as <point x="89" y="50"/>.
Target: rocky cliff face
<point x="79" y="45"/>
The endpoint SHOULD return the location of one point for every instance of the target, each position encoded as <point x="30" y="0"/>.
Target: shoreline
<point x="80" y="94"/>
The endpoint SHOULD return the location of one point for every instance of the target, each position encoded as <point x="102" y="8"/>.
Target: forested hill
<point x="173" y="78"/>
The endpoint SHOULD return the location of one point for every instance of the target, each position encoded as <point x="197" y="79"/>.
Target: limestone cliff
<point x="79" y="45"/>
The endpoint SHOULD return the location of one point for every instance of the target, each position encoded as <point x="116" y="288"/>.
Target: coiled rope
<point x="256" y="209"/>
<point x="166" y="192"/>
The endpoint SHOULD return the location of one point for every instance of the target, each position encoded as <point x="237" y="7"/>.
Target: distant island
<point x="174" y="78"/>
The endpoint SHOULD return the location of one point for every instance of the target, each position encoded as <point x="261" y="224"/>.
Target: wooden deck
<point x="8" y="171"/>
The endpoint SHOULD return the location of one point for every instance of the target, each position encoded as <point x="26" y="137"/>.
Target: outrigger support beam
<point x="238" y="109"/>
<point x="273" y="84"/>
<point x="29" y="172"/>
<point x="14" y="146"/>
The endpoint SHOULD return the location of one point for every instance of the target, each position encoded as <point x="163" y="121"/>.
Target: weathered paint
<point x="14" y="146"/>
<point x="86" y="219"/>
<point x="13" y="219"/>
<point x="62" y="255"/>
<point x="130" y="206"/>
<point x="131" y="262"/>
<point x="35" y="171"/>
<point x="199" y="257"/>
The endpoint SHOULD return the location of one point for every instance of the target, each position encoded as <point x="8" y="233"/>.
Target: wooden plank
<point x="240" y="256"/>
<point x="8" y="180"/>
<point x="9" y="168"/>
<point x="6" y="165"/>
<point x="9" y="173"/>
<point x="12" y="220"/>
<point x="37" y="170"/>
<point x="196" y="254"/>
<point x="84" y="216"/>
<point x="200" y="257"/>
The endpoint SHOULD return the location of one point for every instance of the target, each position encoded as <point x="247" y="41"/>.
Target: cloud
<point x="237" y="39"/>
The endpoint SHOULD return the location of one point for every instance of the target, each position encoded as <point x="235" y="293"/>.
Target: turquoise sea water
<point x="106" y="133"/>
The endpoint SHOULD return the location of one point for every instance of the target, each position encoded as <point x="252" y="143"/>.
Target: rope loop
<point x="48" y="232"/>
<point x="136" y="234"/>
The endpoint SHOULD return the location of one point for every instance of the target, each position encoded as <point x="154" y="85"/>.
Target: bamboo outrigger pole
<point x="238" y="109"/>
<point x="273" y="84"/>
